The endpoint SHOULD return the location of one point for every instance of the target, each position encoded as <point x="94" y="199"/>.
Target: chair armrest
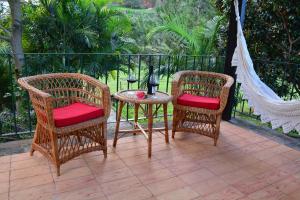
<point x="41" y="101"/>
<point x="106" y="98"/>
<point x="176" y="83"/>
<point x="225" y="92"/>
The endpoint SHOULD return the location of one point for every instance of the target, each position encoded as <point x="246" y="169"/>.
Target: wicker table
<point x="159" y="99"/>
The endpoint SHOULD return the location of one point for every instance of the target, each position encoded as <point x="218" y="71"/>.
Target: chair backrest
<point x="66" y="88"/>
<point x="202" y="83"/>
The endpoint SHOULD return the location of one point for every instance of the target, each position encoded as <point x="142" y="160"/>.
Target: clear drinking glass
<point x="131" y="78"/>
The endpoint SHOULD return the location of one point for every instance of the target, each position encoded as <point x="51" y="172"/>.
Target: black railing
<point x="16" y="113"/>
<point x="17" y="116"/>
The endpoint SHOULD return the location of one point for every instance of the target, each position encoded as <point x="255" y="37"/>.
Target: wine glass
<point x="131" y="78"/>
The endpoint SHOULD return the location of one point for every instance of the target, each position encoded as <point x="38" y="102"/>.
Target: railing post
<point x="231" y="44"/>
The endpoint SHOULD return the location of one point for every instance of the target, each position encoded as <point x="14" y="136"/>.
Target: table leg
<point x="165" y="108"/>
<point x="150" y="124"/>
<point x="118" y="122"/>
<point x="136" y="115"/>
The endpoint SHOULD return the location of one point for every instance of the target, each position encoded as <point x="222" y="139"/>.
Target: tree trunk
<point x="16" y="35"/>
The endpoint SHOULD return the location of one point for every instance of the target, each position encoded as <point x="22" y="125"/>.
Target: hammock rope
<point x="261" y="98"/>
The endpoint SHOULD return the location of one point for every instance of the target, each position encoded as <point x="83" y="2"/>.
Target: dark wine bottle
<point x="149" y="85"/>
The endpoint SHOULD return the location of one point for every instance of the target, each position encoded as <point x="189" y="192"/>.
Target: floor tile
<point x="71" y="173"/>
<point x="146" y="168"/>
<point x="129" y="161"/>
<point x="5" y="159"/>
<point x="113" y="175"/>
<point x="288" y="185"/>
<point x="228" y="193"/>
<point x="20" y="156"/>
<point x="235" y="176"/>
<point x="4" y="187"/>
<point x="75" y="183"/>
<point x="243" y="166"/>
<point x="4" y="167"/>
<point x="165" y="186"/>
<point x="250" y="185"/>
<point x="4" y="177"/>
<point x="269" y="192"/>
<point x="196" y="176"/>
<point x="295" y="194"/>
<point x="34" y="193"/>
<point x="4" y="196"/>
<point x="29" y="171"/>
<point x="155" y="176"/>
<point x="22" y="164"/>
<point x="120" y="185"/>
<point x="139" y="193"/>
<point x="20" y="184"/>
<point x="132" y="152"/>
<point x="106" y="166"/>
<point x="90" y="192"/>
<point x="185" y="193"/>
<point x="209" y="186"/>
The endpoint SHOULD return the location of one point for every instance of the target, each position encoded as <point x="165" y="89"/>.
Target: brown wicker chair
<point x="63" y="140"/>
<point x="203" y="120"/>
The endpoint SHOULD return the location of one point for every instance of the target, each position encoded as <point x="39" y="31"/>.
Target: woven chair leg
<point x="58" y="170"/>
<point x="31" y="151"/>
<point x="174" y="123"/>
<point x="104" y="132"/>
<point x="55" y="155"/>
<point x="173" y="133"/>
<point x="217" y="133"/>
<point x="105" y="153"/>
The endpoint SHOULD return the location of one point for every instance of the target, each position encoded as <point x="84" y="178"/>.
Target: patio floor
<point x="243" y="166"/>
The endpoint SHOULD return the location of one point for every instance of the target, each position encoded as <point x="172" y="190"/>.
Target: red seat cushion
<point x="199" y="101"/>
<point x="75" y="113"/>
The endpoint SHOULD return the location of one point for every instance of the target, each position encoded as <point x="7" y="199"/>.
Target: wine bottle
<point x="149" y="85"/>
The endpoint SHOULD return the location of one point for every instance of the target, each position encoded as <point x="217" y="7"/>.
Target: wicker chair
<point x="199" y="99"/>
<point x="72" y="111"/>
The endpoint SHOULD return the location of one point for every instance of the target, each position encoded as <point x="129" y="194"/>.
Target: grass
<point x="123" y="85"/>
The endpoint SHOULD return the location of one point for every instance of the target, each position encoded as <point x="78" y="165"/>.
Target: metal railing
<point x="17" y="116"/>
<point x="16" y="113"/>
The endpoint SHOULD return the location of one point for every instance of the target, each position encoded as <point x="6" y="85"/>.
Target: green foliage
<point x="138" y="4"/>
<point x="74" y="26"/>
<point x="71" y="26"/>
<point x="197" y="40"/>
<point x="143" y="20"/>
<point x="272" y="32"/>
<point x="184" y="31"/>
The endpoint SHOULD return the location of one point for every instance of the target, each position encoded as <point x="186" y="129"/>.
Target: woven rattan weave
<point x="199" y="120"/>
<point x="49" y="91"/>
<point x="151" y="101"/>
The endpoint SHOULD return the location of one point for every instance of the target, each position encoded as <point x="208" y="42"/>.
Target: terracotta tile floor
<point x="243" y="166"/>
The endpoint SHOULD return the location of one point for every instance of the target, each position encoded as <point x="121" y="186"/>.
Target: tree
<point x="76" y="26"/>
<point x="272" y="31"/>
<point x="13" y="35"/>
<point x="188" y="27"/>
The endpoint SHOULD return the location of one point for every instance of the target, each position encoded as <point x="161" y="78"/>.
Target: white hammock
<point x="266" y="103"/>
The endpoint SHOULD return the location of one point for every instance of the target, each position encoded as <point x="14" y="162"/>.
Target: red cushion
<point x="75" y="113"/>
<point x="199" y="101"/>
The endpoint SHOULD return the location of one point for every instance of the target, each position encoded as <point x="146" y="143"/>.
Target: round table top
<point x="130" y="97"/>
